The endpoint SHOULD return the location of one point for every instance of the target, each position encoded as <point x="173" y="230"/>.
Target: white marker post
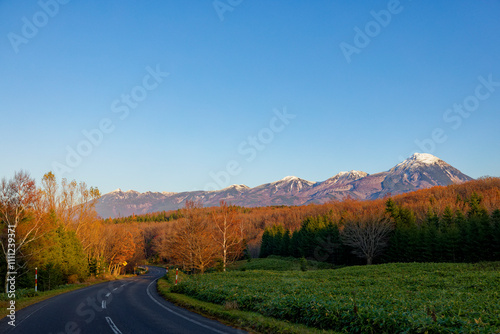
<point x="36" y="279"/>
<point x="176" y="275"/>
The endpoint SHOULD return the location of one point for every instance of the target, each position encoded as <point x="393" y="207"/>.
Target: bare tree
<point x="228" y="233"/>
<point x="74" y="206"/>
<point x="74" y="203"/>
<point x="368" y="235"/>
<point x="20" y="216"/>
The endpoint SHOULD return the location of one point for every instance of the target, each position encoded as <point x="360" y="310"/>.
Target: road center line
<point x="180" y="315"/>
<point x="103" y="304"/>
<point x="113" y="326"/>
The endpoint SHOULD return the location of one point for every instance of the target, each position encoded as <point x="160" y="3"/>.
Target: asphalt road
<point x="130" y="305"/>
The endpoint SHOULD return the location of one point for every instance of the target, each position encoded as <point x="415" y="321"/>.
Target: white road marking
<point x="108" y="294"/>
<point x="103" y="304"/>
<point x="29" y="315"/>
<point x="115" y="289"/>
<point x="47" y="303"/>
<point x="180" y="315"/>
<point x="113" y="326"/>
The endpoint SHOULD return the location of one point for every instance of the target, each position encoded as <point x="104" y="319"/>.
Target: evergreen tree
<point x="74" y="262"/>
<point x="474" y="202"/>
<point x="461" y="227"/>
<point x="432" y="248"/>
<point x="450" y="236"/>
<point x="311" y="237"/>
<point x="404" y="244"/>
<point x="60" y="259"/>
<point x="265" y="246"/>
<point x="495" y="222"/>
<point x="479" y="232"/>
<point x="277" y="232"/>
<point x="285" y="244"/>
<point x="295" y="243"/>
<point x="333" y="245"/>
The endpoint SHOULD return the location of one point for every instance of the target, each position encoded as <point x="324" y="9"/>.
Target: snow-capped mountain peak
<point x="424" y="158"/>
<point x="293" y="179"/>
<point x="347" y="176"/>
<point x="418" y="160"/>
<point x="238" y="187"/>
<point x="289" y="178"/>
<point x="419" y="171"/>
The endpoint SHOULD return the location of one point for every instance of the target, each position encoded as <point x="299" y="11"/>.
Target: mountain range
<point x="421" y="170"/>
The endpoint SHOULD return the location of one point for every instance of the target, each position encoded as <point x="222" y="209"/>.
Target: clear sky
<point x="184" y="95"/>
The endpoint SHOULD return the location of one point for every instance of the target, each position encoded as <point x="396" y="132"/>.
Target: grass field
<point x="277" y="263"/>
<point x="229" y="314"/>
<point x="388" y="298"/>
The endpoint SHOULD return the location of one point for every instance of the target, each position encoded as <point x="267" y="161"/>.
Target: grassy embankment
<point x="400" y="297"/>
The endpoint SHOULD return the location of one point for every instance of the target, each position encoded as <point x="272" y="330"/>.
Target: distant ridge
<point x="421" y="170"/>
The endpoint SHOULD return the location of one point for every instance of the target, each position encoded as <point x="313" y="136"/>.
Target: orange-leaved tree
<point x="120" y="247"/>
<point x="190" y="243"/>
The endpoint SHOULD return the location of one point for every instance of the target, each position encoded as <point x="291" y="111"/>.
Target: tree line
<point x="162" y="216"/>
<point x="336" y="231"/>
<point x="466" y="230"/>
<point x="453" y="236"/>
<point x="58" y="231"/>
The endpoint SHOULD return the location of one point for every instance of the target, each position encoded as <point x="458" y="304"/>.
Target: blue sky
<point x="361" y="85"/>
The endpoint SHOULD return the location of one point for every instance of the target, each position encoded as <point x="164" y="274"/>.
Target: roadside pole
<point x="36" y="279"/>
<point x="176" y="275"/>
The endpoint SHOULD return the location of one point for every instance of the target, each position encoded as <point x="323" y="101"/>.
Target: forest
<point x="59" y="232"/>
<point x="466" y="234"/>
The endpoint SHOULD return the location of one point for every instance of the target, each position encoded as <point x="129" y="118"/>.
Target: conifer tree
<point x="495" y="221"/>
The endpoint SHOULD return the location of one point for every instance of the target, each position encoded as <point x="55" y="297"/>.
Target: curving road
<point x="130" y="305"/>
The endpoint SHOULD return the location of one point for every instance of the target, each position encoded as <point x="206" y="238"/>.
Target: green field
<point x="390" y="298"/>
<point x="278" y="263"/>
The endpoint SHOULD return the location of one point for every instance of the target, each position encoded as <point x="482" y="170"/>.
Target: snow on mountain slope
<point x="421" y="170"/>
<point x="346" y="177"/>
<point x="417" y="172"/>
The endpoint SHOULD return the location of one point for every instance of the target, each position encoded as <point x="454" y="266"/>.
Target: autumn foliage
<point x="202" y="237"/>
<point x="458" y="223"/>
<point x="58" y="230"/>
